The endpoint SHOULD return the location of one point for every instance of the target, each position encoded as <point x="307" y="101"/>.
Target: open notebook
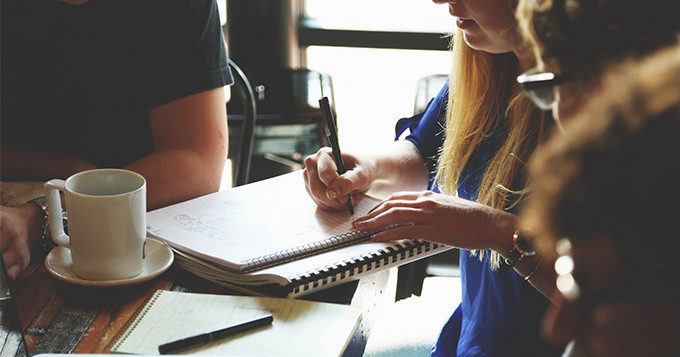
<point x="270" y="238"/>
<point x="300" y="327"/>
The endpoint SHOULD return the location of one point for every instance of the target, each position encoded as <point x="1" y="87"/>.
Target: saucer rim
<point x="138" y="279"/>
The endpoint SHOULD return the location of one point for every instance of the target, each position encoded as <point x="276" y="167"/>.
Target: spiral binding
<point x="132" y="322"/>
<point x="306" y="250"/>
<point x="357" y="265"/>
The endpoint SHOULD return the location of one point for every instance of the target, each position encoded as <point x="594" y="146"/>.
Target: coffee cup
<point x="106" y="210"/>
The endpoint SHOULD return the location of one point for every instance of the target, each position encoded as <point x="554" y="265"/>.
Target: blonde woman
<point x="491" y="131"/>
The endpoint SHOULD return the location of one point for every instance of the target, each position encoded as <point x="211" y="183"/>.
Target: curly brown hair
<point x="616" y="171"/>
<point x="578" y="38"/>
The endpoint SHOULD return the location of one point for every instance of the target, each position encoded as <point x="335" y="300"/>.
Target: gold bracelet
<point x="526" y="278"/>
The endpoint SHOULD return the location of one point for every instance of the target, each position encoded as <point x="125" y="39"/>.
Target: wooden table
<point x="62" y="318"/>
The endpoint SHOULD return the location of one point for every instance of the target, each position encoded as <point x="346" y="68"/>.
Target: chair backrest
<point x="428" y="87"/>
<point x="241" y="168"/>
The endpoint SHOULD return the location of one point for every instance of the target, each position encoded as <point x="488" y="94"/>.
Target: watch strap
<point x="45" y="234"/>
<point x="521" y="247"/>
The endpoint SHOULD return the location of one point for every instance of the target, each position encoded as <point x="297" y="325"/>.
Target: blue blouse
<point x="500" y="312"/>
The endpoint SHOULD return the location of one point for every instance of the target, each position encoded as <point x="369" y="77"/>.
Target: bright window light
<point x="374" y="88"/>
<point x="405" y="15"/>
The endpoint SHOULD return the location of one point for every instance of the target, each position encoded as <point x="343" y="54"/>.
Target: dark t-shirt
<point x="82" y="79"/>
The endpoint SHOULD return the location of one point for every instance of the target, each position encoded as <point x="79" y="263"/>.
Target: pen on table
<point x="202" y="339"/>
<point x="332" y="134"/>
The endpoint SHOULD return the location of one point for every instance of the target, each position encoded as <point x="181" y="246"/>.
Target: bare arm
<point x="190" y="148"/>
<point x="459" y="223"/>
<point x="399" y="168"/>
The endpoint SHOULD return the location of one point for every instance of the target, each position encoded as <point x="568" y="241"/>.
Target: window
<point x="374" y="87"/>
<point x="396" y="15"/>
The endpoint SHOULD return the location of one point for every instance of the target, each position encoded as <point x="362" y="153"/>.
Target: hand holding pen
<point x="332" y="134"/>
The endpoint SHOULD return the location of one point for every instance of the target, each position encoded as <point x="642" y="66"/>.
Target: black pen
<point x="202" y="339"/>
<point x="332" y="134"/>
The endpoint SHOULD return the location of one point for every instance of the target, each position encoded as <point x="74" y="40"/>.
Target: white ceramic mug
<point x="106" y="211"/>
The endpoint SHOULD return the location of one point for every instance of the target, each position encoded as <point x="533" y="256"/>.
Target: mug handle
<point x="56" y="218"/>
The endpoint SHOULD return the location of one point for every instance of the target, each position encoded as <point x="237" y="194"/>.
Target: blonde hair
<point x="480" y="96"/>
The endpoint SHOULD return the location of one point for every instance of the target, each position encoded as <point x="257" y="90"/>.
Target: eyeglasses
<point x="539" y="87"/>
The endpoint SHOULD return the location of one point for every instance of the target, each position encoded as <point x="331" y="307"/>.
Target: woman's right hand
<point x="328" y="189"/>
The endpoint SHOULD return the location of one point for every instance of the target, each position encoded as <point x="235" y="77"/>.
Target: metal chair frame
<point x="241" y="168"/>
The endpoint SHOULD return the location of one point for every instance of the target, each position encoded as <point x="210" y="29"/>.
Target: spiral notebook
<point x="269" y="238"/>
<point x="300" y="328"/>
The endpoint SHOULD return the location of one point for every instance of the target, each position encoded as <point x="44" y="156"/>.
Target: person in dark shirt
<point x="110" y="83"/>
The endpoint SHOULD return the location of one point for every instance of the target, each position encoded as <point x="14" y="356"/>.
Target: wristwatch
<point x="522" y="246"/>
<point x="45" y="235"/>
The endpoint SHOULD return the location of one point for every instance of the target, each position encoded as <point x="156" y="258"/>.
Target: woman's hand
<point x="439" y="218"/>
<point x="328" y="189"/>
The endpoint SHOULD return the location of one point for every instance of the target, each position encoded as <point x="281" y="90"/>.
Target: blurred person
<point x="604" y="200"/>
<point x="576" y="40"/>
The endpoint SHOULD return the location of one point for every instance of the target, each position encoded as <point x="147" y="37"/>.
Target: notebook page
<point x="250" y="221"/>
<point x="300" y="328"/>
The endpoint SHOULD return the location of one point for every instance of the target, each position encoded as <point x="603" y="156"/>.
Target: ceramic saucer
<point x="159" y="257"/>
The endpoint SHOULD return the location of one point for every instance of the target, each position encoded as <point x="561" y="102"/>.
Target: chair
<point x="428" y="87"/>
<point x="289" y="124"/>
<point x="241" y="168"/>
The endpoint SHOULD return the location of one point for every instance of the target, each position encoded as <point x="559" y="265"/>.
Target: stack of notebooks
<point x="269" y="238"/>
